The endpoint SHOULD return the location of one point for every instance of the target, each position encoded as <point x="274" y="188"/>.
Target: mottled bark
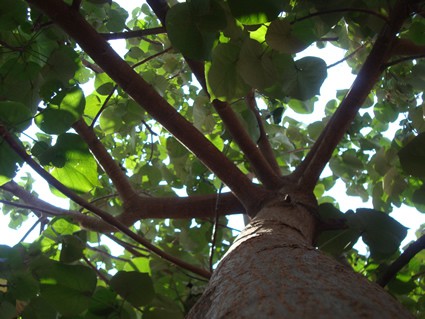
<point x="273" y="271"/>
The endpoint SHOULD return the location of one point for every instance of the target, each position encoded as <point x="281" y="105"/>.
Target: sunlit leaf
<point x="67" y="108"/>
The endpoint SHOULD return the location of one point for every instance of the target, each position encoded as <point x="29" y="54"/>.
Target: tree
<point x="180" y="111"/>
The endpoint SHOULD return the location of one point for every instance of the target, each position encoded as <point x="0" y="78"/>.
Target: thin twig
<point x="105" y="103"/>
<point x="308" y="172"/>
<point x="404" y="59"/>
<point x="358" y="10"/>
<point x="214" y="230"/>
<point x="263" y="141"/>
<point x="31" y="229"/>
<point x="127" y="246"/>
<point x="347" y="57"/>
<point x="21" y="152"/>
<point x="98" y="272"/>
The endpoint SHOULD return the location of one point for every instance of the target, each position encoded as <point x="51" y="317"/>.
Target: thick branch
<point x="132" y="34"/>
<point x="198" y="206"/>
<point x="111" y="220"/>
<point x="111" y="168"/>
<point x="144" y="94"/>
<point x="43" y="208"/>
<point x="138" y="207"/>
<point x="264" y="171"/>
<point x="401" y="261"/>
<point x="309" y="170"/>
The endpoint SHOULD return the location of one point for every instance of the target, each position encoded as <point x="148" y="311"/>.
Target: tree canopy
<point x="198" y="105"/>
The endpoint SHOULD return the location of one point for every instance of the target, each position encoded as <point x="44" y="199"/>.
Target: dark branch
<point x="357" y="10"/>
<point x="111" y="220"/>
<point x="308" y="172"/>
<point x="264" y="171"/>
<point x="146" y="96"/>
<point x="347" y="57"/>
<point x="111" y="167"/>
<point x="132" y="34"/>
<point x="401" y="261"/>
<point x="263" y="141"/>
<point x="404" y="59"/>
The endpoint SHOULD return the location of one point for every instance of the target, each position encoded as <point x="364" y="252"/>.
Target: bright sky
<point x="339" y="77"/>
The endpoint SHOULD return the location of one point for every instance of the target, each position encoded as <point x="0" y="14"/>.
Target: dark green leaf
<point x="223" y="79"/>
<point x="13" y="13"/>
<point x="67" y="288"/>
<point x="290" y="39"/>
<point x="186" y="36"/>
<point x="39" y="308"/>
<point x="255" y="12"/>
<point x="310" y="72"/>
<point x="335" y="242"/>
<point x="255" y="65"/>
<point x="412" y="156"/>
<point x="9" y="162"/>
<point x="22" y="286"/>
<point x="382" y="233"/>
<point x="133" y="286"/>
<point x="15" y="115"/>
<point x="7" y="310"/>
<point x="59" y="116"/>
<point x="72" y="249"/>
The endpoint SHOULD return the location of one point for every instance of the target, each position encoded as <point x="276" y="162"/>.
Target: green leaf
<point x="305" y="80"/>
<point x="223" y="80"/>
<point x="185" y="34"/>
<point x="59" y="116"/>
<point x="302" y="107"/>
<point x="135" y="287"/>
<point x="412" y="156"/>
<point x="15" y="115"/>
<point x="13" y="13"/>
<point x="39" y="308"/>
<point x="208" y="15"/>
<point x="75" y="166"/>
<point x="335" y="242"/>
<point x="22" y="285"/>
<point x="72" y="249"/>
<point x="255" y="65"/>
<point x="117" y="18"/>
<point x="103" y="301"/>
<point x="103" y="84"/>
<point x="10" y="162"/>
<point x="67" y="288"/>
<point x="382" y="233"/>
<point x="248" y="119"/>
<point x="61" y="65"/>
<point x="254" y="11"/>
<point x="7" y="310"/>
<point x="290" y="39"/>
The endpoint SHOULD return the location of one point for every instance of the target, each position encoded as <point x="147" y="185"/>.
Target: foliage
<point x="124" y="140"/>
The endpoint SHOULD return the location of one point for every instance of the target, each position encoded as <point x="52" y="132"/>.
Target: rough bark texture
<point x="272" y="271"/>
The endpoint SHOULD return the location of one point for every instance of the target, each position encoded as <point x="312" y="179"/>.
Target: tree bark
<point x="273" y="271"/>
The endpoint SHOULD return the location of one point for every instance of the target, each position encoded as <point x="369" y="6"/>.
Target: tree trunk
<point x="272" y="270"/>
